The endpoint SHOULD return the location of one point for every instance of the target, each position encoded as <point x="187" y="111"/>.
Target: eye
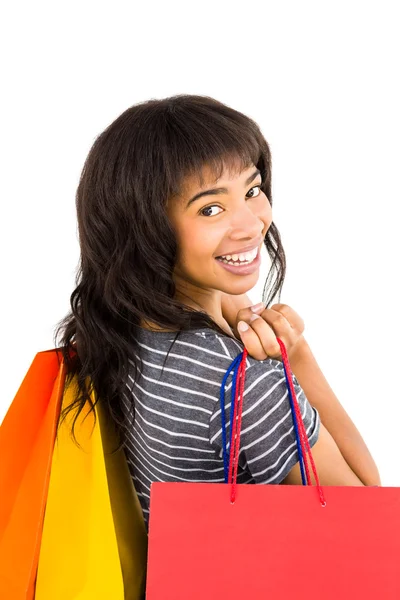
<point x="201" y="211"/>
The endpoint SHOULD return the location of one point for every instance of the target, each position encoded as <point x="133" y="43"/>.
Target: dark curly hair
<point x="128" y="247"/>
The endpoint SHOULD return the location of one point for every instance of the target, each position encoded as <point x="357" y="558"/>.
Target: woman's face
<point x="226" y="222"/>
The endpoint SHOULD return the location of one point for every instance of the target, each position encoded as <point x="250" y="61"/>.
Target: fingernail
<point x="257" y="307"/>
<point x="242" y="326"/>
<point x="254" y="317"/>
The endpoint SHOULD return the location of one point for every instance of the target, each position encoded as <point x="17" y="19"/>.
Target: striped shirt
<point x="176" y="434"/>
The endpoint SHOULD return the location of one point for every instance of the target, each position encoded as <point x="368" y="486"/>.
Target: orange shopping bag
<point x="27" y="436"/>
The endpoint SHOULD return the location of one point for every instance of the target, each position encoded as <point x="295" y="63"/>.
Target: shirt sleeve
<point x="268" y="448"/>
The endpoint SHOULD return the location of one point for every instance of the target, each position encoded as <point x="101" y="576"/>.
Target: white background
<point x="322" y="81"/>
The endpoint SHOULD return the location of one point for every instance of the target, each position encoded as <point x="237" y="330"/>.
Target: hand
<point x="278" y="321"/>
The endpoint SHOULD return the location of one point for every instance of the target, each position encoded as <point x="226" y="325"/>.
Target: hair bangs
<point x="207" y="137"/>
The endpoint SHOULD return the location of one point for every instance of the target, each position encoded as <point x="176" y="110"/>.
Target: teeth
<point x="239" y="259"/>
<point x="242" y="257"/>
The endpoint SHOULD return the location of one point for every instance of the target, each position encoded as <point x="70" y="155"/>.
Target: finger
<point x="251" y="341"/>
<point x="267" y="332"/>
<point x="268" y="326"/>
<point x="277" y="321"/>
<point x="273" y="316"/>
<point x="257" y="308"/>
<point x="291" y="316"/>
<point x="266" y="335"/>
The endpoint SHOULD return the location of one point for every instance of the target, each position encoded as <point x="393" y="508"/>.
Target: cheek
<point x="198" y="245"/>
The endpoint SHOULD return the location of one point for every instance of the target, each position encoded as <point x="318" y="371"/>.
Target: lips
<point x="235" y="252"/>
<point x="242" y="250"/>
<point x="244" y="269"/>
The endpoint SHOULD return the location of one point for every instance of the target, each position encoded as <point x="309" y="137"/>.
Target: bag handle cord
<point x="238" y="366"/>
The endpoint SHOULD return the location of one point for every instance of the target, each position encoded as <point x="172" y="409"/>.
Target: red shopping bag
<point x="215" y="541"/>
<point x="27" y="436"/>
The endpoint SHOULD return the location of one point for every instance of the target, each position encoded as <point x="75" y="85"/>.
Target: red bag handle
<point x="237" y="423"/>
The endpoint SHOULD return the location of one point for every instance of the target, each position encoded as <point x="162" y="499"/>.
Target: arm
<point x="332" y="469"/>
<point x="336" y="421"/>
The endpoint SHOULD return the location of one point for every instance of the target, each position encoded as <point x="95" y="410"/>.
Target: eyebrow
<point x="217" y="191"/>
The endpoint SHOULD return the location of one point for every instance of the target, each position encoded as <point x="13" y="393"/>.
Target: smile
<point x="241" y="264"/>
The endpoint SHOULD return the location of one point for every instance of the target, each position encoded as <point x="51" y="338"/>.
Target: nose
<point x="246" y="225"/>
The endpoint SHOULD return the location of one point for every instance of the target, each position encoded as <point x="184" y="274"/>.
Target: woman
<point x="174" y="205"/>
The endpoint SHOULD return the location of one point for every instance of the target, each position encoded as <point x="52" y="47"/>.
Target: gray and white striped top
<point x="176" y="433"/>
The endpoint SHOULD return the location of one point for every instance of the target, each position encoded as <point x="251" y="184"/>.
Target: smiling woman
<point x="174" y="205"/>
<point x="149" y="245"/>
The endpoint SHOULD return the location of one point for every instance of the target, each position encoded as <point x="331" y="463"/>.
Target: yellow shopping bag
<point x="94" y="541"/>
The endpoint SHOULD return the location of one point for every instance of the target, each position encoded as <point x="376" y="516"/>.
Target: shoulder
<point x="264" y="378"/>
<point x="268" y="443"/>
<point x="224" y="348"/>
<point x="205" y="345"/>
